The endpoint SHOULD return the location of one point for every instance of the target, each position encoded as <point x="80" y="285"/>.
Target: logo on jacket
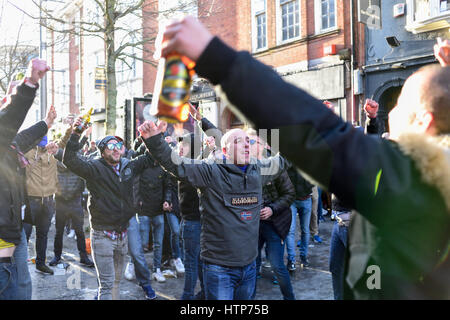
<point x="246" y="215"/>
<point x="242" y="201"/>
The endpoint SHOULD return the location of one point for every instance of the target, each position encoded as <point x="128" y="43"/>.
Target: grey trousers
<point x="109" y="259"/>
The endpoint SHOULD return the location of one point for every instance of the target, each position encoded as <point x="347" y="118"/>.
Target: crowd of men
<point x="214" y="212"/>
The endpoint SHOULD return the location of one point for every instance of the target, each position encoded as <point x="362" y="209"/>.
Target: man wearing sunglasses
<point x="109" y="179"/>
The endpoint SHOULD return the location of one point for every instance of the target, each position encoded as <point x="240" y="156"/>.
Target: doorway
<point x="387" y="101"/>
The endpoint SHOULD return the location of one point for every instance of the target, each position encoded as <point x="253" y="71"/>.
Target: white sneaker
<point x="158" y="276"/>
<point x="169" y="274"/>
<point x="129" y="272"/>
<point x="324" y="212"/>
<point x="178" y="264"/>
<point x="71" y="233"/>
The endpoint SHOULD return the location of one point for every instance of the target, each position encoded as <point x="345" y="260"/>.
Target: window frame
<point x="437" y="19"/>
<point x="318" y="17"/>
<point x="254" y="17"/>
<point x="279" y="22"/>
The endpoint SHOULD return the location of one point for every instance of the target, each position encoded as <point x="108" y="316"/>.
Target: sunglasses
<point x="117" y="145"/>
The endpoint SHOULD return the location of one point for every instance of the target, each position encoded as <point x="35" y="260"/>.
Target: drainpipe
<point x="352" y="61"/>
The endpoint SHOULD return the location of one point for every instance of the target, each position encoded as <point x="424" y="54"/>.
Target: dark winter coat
<point x="111" y="199"/>
<point x="303" y="188"/>
<point x="230" y="201"/>
<point x="279" y="194"/>
<point x="12" y="175"/>
<point x="401" y="188"/>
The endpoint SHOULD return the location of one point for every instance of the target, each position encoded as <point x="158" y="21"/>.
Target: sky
<point x="12" y="18"/>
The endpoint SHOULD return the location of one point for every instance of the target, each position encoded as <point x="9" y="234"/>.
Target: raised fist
<point x="329" y="104"/>
<point x="195" y="113"/>
<point x="442" y="52"/>
<point x="149" y="129"/>
<point x="36" y="70"/>
<point x="51" y="116"/>
<point x="371" y="108"/>
<point x="52" y="148"/>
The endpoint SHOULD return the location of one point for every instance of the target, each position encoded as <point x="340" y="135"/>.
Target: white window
<point x="325" y="15"/>
<point x="427" y="15"/>
<point x="290" y="19"/>
<point x="259" y="25"/>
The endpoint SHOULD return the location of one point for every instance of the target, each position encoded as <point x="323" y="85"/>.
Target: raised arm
<point x="198" y="174"/>
<point x="30" y="137"/>
<point x="72" y="160"/>
<point x="13" y="114"/>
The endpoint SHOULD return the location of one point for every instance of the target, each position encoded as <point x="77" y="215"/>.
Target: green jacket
<point x="406" y="196"/>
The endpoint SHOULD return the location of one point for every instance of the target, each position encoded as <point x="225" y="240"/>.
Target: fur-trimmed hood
<point x="432" y="157"/>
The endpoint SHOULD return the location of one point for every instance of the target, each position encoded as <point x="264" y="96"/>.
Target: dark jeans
<point x="73" y="210"/>
<point x="319" y="206"/>
<point x="41" y="210"/>
<point x="190" y="231"/>
<point x="8" y="281"/>
<point x="337" y="259"/>
<point x="229" y="283"/>
<point x="275" y="253"/>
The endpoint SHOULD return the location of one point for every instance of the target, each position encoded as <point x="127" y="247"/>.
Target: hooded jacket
<point x="383" y="180"/>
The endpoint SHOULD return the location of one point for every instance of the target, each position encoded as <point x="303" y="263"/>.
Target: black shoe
<point x="55" y="261"/>
<point x="86" y="261"/>
<point x="291" y="265"/>
<point x="304" y="261"/>
<point x="43" y="268"/>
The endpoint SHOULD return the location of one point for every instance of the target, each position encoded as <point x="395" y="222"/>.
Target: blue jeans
<point x="144" y="230"/>
<point x="190" y="231"/>
<point x="158" y="236"/>
<point x="304" y="213"/>
<point x="24" y="287"/>
<point x="319" y="206"/>
<point x="290" y="239"/>
<point x="275" y="251"/>
<point x="8" y="281"/>
<point x="229" y="283"/>
<point x="337" y="259"/>
<point x="42" y="211"/>
<point x="137" y="253"/>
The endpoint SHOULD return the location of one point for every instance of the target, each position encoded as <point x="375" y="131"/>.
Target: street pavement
<point x="78" y="282"/>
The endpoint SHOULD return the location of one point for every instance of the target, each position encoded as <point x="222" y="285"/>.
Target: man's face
<point x="113" y="151"/>
<point x="93" y="145"/>
<point x="237" y="148"/>
<point x="184" y="149"/>
<point x="256" y="147"/>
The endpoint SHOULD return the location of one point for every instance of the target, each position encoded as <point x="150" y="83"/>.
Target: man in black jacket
<point x="12" y="175"/>
<point x="401" y="187"/>
<point x="69" y="206"/>
<point x="111" y="205"/>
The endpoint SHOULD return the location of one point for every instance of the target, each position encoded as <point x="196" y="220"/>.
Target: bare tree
<point x="110" y="21"/>
<point x="14" y="58"/>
